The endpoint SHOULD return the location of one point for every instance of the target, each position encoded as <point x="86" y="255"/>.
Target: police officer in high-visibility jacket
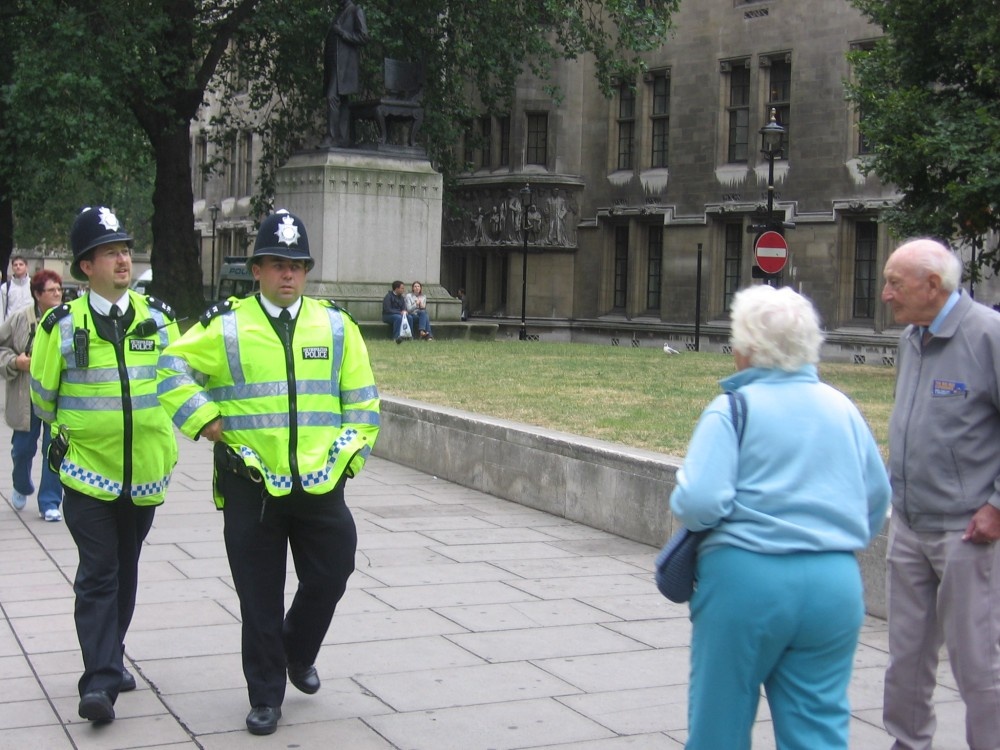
<point x="283" y="386"/>
<point x="93" y="379"/>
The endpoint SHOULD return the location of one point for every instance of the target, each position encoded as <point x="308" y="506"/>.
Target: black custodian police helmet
<point x="92" y="228"/>
<point x="283" y="235"/>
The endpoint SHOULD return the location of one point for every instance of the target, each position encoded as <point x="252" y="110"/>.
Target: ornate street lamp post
<point x="525" y="202"/>
<point x="214" y="213"/>
<point x="770" y="140"/>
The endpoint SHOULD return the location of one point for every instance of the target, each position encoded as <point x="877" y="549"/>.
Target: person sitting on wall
<point x="416" y="306"/>
<point x="394" y="310"/>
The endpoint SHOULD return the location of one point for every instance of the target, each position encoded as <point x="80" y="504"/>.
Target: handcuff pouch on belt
<point x="229" y="461"/>
<point x="58" y="448"/>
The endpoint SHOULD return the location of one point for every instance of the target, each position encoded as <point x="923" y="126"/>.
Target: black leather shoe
<point x="128" y="682"/>
<point x="97" y="706"/>
<point x="304" y="678"/>
<point x="263" y="719"/>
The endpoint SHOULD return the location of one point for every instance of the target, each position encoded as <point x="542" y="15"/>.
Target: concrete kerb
<point x="614" y="488"/>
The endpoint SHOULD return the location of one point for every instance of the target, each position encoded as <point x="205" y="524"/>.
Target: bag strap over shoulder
<point x="738" y="411"/>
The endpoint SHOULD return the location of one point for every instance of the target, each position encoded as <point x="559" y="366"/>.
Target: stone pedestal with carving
<point x="371" y="218"/>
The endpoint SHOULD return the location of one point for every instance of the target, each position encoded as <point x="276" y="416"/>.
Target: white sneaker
<point x="18" y="500"/>
<point x="53" y="514"/>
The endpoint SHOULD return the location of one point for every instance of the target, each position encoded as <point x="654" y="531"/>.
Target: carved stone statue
<point x="556" y="210"/>
<point x="534" y="220"/>
<point x="514" y="214"/>
<point x="348" y="32"/>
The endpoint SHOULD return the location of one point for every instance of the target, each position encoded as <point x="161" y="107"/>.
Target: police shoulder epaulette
<point x="219" y="308"/>
<point x="338" y="308"/>
<point x="160" y="305"/>
<point x="53" y="316"/>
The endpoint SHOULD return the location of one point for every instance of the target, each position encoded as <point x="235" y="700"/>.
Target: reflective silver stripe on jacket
<point x="48" y="395"/>
<point x="280" y="420"/>
<point x="105" y="403"/>
<point x="108" y="374"/>
<point x="231" y="338"/>
<point x="185" y="375"/>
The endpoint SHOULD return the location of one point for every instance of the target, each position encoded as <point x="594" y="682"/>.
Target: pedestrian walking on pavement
<point x="15" y="293"/>
<point x="17" y="337"/>
<point x="93" y="379"/>
<point x="944" y="560"/>
<point x="787" y="498"/>
<point x="283" y="386"/>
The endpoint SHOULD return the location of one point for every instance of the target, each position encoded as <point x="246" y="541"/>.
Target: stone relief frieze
<point x="497" y="217"/>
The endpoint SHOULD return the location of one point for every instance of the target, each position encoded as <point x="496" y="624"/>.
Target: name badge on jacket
<point x="941" y="388"/>
<point x="315" y="352"/>
<point x="141" y="345"/>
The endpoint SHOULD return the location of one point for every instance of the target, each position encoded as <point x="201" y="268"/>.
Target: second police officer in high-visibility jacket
<point x="283" y="386"/>
<point x="93" y="379"/>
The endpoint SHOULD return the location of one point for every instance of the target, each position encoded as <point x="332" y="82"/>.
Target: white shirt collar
<point x="273" y="310"/>
<point x="103" y="306"/>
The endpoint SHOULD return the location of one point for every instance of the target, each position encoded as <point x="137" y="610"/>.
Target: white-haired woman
<point x="779" y="599"/>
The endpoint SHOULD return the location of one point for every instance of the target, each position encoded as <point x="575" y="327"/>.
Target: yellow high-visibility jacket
<point x="120" y="439"/>
<point x="306" y="412"/>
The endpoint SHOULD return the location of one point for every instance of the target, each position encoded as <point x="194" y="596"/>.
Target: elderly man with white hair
<point x="787" y="500"/>
<point x="944" y="458"/>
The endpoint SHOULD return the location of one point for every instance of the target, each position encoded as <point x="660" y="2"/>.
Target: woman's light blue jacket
<point x="807" y="475"/>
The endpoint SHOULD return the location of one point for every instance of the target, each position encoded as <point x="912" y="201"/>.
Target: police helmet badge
<point x="287" y="233"/>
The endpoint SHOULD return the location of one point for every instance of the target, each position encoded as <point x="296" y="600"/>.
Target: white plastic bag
<point x="404" y="328"/>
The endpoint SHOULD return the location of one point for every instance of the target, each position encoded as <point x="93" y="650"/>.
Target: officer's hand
<point x="984" y="526"/>
<point x="213" y="430"/>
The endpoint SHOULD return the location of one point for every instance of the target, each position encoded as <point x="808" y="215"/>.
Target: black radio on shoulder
<point x="81" y="347"/>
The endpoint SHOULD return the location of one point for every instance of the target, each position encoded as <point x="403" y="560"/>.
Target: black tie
<point x="115" y="314"/>
<point x="285" y="318"/>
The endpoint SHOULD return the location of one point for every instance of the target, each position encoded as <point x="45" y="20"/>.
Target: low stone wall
<point x="373" y="330"/>
<point x="610" y="487"/>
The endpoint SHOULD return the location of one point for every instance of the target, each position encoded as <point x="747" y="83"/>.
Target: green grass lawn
<point x="638" y="397"/>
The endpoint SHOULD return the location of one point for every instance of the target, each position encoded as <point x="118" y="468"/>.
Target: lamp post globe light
<point x="525" y="202"/>
<point x="771" y="136"/>
<point x="214" y="213"/>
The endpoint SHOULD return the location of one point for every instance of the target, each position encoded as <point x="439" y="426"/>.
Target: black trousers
<point x="259" y="529"/>
<point x="108" y="537"/>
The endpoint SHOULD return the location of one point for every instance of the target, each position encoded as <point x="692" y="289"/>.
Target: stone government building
<point x="674" y="166"/>
<point x="627" y="192"/>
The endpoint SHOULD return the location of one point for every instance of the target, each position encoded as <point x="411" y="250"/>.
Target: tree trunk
<point x="176" y="259"/>
<point x="6" y="228"/>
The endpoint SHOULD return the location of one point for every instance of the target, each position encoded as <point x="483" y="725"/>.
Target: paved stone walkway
<point x="471" y="623"/>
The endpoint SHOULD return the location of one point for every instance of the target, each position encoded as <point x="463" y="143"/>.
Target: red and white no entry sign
<point x="771" y="252"/>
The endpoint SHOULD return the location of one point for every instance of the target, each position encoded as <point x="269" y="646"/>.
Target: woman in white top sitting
<point x="416" y="305"/>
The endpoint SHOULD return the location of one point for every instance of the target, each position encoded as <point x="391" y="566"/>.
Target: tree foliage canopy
<point x="63" y="138"/>
<point x="101" y="95"/>
<point x="929" y="93"/>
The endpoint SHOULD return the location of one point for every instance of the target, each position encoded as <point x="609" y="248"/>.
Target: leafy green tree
<point x="149" y="66"/>
<point x="929" y="92"/>
<point x="55" y="155"/>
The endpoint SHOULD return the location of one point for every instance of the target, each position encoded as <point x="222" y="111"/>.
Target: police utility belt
<point x="229" y="461"/>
